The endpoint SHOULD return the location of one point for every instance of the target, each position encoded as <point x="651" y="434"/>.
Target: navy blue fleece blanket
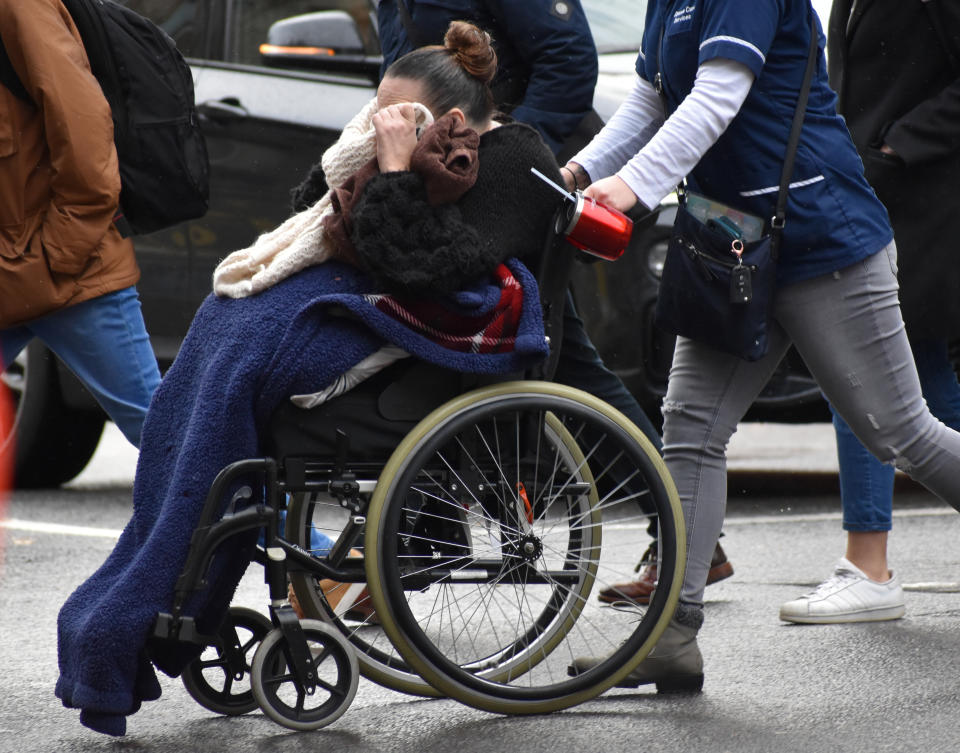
<point x="240" y="359"/>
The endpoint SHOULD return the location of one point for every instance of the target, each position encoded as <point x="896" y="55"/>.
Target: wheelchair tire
<point x="378" y="658"/>
<point x="276" y="690"/>
<point x="490" y="533"/>
<point x="208" y="678"/>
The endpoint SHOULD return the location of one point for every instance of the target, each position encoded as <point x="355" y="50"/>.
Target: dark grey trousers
<point x="848" y="328"/>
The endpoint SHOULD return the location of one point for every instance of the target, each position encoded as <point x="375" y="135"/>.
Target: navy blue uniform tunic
<point x="833" y="216"/>
<point x="544" y="42"/>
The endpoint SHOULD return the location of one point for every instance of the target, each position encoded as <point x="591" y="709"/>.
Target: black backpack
<point x="164" y="169"/>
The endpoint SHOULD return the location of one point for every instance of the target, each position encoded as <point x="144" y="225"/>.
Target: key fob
<point x="741" y="285"/>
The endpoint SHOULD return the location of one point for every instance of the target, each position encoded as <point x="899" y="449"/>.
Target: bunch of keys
<point x="741" y="284"/>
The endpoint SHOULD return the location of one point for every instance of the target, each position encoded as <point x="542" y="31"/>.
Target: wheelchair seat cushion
<point x="375" y="415"/>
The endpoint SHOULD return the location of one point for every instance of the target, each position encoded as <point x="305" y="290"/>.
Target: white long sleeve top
<point x="652" y="153"/>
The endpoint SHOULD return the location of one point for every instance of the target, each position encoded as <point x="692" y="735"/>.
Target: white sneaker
<point x="847" y="596"/>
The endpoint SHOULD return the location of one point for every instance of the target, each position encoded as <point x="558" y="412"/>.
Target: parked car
<point x="269" y="109"/>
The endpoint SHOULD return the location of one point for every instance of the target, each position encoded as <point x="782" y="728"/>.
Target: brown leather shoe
<point x="349" y="601"/>
<point x="295" y="602"/>
<point x="639" y="591"/>
<point x="361" y="610"/>
<point x="636" y="591"/>
<point x="720" y="567"/>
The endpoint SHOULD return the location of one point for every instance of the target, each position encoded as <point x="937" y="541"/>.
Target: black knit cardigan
<point x="411" y="247"/>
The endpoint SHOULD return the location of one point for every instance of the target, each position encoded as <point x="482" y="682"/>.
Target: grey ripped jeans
<point x="848" y="328"/>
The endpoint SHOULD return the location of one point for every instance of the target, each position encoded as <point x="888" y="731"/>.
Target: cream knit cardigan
<point x="301" y="241"/>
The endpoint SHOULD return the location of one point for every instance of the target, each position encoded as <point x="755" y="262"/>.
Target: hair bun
<point x="473" y="50"/>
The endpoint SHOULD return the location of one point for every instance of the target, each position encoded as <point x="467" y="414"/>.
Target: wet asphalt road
<point x="769" y="686"/>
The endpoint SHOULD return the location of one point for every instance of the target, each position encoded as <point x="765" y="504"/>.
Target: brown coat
<point x="59" y="179"/>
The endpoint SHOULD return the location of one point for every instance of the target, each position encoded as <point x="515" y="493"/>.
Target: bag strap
<point x="779" y="218"/>
<point x="9" y="77"/>
<point x="780" y="213"/>
<point x="933" y="8"/>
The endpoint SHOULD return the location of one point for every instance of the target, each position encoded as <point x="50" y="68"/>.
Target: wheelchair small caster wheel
<point x="219" y="679"/>
<point x="282" y="698"/>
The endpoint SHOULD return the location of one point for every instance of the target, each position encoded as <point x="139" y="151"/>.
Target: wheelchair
<point x="475" y="523"/>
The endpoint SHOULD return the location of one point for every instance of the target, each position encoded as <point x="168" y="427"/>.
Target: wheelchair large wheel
<point x="492" y="528"/>
<point x="377" y="657"/>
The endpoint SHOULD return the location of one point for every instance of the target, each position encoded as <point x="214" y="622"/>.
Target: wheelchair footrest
<point x="181" y="629"/>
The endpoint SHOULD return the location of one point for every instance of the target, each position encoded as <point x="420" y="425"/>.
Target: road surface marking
<point x="800" y="517"/>
<point x="813" y="517"/>
<point x="35" y="526"/>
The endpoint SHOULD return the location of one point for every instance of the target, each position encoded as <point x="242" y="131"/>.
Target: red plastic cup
<point x="594" y="227"/>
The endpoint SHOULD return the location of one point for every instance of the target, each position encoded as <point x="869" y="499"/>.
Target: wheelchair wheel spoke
<point x="501" y="523"/>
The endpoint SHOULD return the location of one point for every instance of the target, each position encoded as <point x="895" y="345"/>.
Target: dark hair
<point x="455" y="74"/>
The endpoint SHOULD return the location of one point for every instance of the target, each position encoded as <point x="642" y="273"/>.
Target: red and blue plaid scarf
<point x="494" y="331"/>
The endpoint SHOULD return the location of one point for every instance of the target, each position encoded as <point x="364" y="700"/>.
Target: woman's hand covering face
<point x="396" y="127"/>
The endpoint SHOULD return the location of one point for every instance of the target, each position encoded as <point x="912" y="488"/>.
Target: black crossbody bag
<point x="716" y="288"/>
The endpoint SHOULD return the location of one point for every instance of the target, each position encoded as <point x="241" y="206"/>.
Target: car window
<point x="181" y="19"/>
<point x="249" y="20"/>
<point x="617" y="25"/>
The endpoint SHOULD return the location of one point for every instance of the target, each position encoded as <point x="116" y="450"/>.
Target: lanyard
<point x="659" y="83"/>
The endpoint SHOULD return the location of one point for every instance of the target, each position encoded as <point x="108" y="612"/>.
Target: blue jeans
<point x="320" y="543"/>
<point x="105" y="343"/>
<point x="866" y="484"/>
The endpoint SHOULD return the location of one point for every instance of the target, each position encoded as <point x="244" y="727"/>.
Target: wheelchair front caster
<point x="219" y="679"/>
<point x="280" y="694"/>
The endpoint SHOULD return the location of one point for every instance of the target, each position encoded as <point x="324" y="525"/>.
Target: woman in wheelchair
<point x="412" y="251"/>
